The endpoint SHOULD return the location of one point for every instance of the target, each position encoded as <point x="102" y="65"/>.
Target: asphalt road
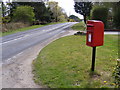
<point x="112" y="32"/>
<point x="16" y="43"/>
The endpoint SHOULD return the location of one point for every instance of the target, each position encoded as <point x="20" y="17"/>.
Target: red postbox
<point x="95" y="33"/>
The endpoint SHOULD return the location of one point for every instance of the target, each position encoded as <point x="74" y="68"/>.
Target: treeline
<point x="108" y="12"/>
<point x="73" y="18"/>
<point x="31" y="13"/>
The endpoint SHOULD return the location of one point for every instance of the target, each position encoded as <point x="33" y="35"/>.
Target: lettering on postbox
<point x="95" y="33"/>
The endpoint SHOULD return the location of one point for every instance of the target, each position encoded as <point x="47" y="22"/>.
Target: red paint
<point x="95" y="33"/>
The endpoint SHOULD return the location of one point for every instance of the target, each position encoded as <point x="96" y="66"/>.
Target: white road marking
<point x="32" y="34"/>
<point x="10" y="41"/>
<point x="14" y="39"/>
<point x="11" y="59"/>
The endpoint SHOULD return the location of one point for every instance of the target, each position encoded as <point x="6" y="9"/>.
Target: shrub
<point x="100" y="13"/>
<point x="6" y="19"/>
<point x="23" y="14"/>
<point x="71" y="20"/>
<point x="116" y="17"/>
<point x="61" y="18"/>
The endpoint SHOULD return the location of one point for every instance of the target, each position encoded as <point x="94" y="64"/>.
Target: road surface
<point x="16" y="43"/>
<point x="20" y="49"/>
<point x="112" y="32"/>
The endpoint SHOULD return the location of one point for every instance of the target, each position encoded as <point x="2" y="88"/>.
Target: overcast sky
<point x="68" y="6"/>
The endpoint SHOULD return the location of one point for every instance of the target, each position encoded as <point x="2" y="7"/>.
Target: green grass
<point x="27" y="28"/>
<point x="66" y="63"/>
<point x="79" y="26"/>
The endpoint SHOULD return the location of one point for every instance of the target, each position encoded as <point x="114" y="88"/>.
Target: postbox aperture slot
<point x="89" y="30"/>
<point x="90" y="25"/>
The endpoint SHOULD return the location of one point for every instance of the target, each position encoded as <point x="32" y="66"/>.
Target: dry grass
<point x="13" y="26"/>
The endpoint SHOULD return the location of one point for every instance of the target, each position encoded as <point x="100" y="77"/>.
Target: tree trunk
<point x="84" y="19"/>
<point x="3" y="12"/>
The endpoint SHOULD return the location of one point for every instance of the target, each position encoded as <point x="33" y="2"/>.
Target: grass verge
<point x="66" y="63"/>
<point x="79" y="26"/>
<point x="27" y="28"/>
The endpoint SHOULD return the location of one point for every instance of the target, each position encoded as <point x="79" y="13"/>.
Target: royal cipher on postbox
<point x="95" y="33"/>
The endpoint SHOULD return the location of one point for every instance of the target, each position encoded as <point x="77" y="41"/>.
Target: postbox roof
<point x="94" y="21"/>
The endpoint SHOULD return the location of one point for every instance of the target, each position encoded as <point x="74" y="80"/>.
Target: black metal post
<point x="93" y="58"/>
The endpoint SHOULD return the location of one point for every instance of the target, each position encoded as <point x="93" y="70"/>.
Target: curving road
<point x="16" y="43"/>
<point x="22" y="48"/>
